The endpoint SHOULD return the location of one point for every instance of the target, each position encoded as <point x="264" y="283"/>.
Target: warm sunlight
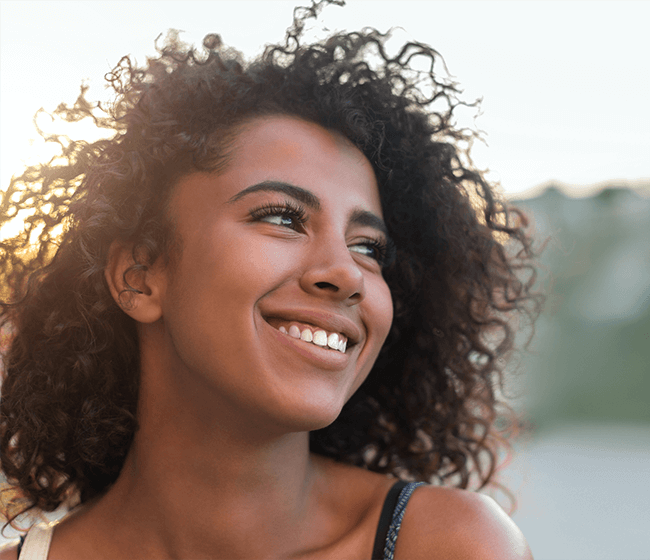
<point x="30" y="148"/>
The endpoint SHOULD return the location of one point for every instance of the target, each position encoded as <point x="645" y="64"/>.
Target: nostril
<point x="327" y="286"/>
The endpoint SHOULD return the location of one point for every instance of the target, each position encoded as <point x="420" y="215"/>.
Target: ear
<point x="136" y="290"/>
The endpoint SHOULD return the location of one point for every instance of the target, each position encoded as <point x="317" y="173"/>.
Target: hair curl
<point x="461" y="278"/>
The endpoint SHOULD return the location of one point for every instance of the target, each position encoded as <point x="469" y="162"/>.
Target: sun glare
<point x="31" y="149"/>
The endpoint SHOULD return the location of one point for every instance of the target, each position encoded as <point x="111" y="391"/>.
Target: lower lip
<point x="323" y="357"/>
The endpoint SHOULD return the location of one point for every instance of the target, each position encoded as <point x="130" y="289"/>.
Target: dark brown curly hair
<point x="461" y="279"/>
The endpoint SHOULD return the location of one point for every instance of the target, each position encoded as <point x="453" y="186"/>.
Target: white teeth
<point x="306" y="336"/>
<point x="333" y="341"/>
<point x="320" y="338"/>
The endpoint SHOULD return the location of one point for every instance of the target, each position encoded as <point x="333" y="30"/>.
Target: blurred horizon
<point x="641" y="186"/>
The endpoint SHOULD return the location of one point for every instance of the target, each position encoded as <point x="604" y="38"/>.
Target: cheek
<point x="265" y="258"/>
<point x="228" y="256"/>
<point x="379" y="318"/>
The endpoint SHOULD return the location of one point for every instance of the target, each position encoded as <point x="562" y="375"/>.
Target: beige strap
<point x="37" y="543"/>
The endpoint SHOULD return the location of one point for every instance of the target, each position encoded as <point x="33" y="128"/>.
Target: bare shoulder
<point x="458" y="524"/>
<point x="9" y="551"/>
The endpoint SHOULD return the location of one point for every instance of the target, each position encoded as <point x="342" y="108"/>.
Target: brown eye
<point x="372" y="248"/>
<point x="279" y="220"/>
<point x="287" y="215"/>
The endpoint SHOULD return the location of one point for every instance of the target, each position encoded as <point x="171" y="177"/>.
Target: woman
<point x="275" y="285"/>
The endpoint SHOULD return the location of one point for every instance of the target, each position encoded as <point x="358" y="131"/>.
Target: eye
<point x="286" y="215"/>
<point x="379" y="250"/>
<point x="279" y="220"/>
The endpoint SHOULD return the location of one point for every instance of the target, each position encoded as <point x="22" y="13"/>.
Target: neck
<point x="215" y="482"/>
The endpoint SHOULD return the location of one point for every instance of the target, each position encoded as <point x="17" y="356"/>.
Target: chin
<point x="311" y="416"/>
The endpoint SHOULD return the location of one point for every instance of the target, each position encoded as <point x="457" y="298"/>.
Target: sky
<point x="565" y="84"/>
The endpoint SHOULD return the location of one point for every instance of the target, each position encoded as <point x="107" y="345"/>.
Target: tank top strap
<point x="390" y="519"/>
<point x="36" y="545"/>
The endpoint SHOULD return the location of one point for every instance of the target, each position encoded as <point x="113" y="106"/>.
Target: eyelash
<point x="291" y="211"/>
<point x="287" y="210"/>
<point x="384" y="250"/>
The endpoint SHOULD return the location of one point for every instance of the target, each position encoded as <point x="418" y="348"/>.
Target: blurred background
<point x="565" y="89"/>
<point x="580" y="472"/>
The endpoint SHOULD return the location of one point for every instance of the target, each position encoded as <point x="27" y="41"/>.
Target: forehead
<point x="289" y="137"/>
<point x="306" y="154"/>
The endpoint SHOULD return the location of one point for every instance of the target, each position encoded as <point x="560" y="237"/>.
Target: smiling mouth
<point x="311" y="334"/>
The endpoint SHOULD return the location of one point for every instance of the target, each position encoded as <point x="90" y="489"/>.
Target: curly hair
<point x="461" y="279"/>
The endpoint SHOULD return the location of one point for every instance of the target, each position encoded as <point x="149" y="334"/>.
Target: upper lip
<point x="327" y="321"/>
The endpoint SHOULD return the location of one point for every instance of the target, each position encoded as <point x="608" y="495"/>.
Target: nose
<point x="332" y="272"/>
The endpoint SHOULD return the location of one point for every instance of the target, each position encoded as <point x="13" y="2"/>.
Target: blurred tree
<point x="590" y="358"/>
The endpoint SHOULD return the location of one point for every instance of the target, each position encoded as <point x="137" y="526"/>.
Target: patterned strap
<point x="385" y="518"/>
<point x="396" y="522"/>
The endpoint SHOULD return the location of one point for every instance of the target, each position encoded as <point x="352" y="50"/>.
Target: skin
<point x="220" y="467"/>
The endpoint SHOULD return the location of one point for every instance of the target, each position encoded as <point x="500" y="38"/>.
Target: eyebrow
<point x="364" y="218"/>
<point x="300" y="194"/>
<point x="359" y="217"/>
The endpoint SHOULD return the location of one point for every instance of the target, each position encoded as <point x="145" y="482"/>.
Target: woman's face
<point x="281" y="247"/>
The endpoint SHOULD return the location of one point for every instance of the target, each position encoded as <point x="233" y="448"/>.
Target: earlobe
<point x="137" y="289"/>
